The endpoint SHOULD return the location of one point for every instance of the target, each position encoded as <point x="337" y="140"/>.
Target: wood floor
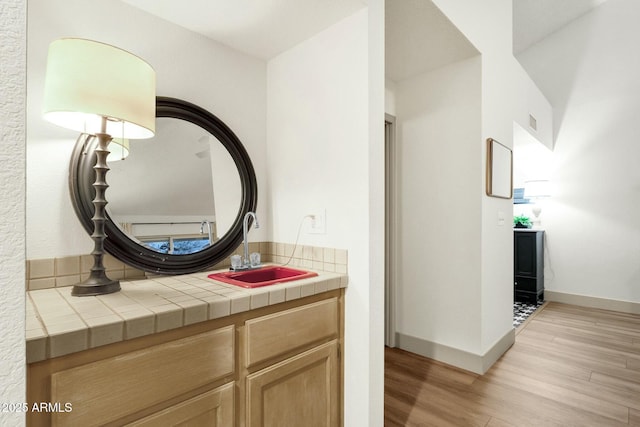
<point x="570" y="366"/>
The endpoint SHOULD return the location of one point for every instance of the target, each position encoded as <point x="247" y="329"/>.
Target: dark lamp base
<point x="98" y="283"/>
<point x="93" y="286"/>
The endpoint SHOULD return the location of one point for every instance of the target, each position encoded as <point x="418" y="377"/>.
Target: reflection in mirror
<point x="176" y="193"/>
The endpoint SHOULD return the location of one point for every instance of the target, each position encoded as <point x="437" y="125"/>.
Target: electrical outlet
<point x="318" y="222"/>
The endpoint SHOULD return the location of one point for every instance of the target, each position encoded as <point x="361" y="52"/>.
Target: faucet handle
<point x="254" y="259"/>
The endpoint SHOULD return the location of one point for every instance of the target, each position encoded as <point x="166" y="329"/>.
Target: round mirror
<point x="176" y="201"/>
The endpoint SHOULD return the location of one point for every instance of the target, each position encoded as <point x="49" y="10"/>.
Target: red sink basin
<point x="262" y="276"/>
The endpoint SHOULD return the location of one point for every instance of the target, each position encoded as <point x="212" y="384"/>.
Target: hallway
<point x="570" y="366"/>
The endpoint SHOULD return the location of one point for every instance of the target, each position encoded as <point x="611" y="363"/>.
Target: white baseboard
<point x="593" y="302"/>
<point x="476" y="363"/>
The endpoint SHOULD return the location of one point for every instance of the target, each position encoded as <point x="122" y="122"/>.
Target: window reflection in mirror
<point x="176" y="246"/>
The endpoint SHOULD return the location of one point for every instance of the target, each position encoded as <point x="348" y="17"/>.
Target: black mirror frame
<point x="117" y="243"/>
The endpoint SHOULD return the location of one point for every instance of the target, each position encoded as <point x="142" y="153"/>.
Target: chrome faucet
<point x="208" y="224"/>
<point x="246" y="263"/>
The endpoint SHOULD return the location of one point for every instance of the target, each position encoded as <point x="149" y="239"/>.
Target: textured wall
<point x="12" y="206"/>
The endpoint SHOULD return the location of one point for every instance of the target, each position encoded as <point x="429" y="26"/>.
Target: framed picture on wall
<point x="499" y="170"/>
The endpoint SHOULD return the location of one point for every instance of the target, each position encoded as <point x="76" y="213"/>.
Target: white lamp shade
<point x="118" y="149"/>
<point x="88" y="80"/>
<point x="536" y="189"/>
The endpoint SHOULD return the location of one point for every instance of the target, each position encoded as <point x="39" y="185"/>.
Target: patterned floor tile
<point x="521" y="311"/>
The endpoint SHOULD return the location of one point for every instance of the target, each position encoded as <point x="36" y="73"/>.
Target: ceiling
<point x="260" y="28"/>
<point x="419" y="38"/>
<point x="533" y="20"/>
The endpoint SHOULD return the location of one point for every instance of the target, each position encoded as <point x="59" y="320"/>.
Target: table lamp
<point x="101" y="90"/>
<point x="535" y="190"/>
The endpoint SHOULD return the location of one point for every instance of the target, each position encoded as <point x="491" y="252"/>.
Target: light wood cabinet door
<point x="300" y="391"/>
<point x="211" y="409"/>
<point x="109" y="389"/>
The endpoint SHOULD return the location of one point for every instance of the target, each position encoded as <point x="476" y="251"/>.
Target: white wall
<point x="438" y="227"/>
<point x="13" y="43"/>
<point x="592" y="221"/>
<point x="319" y="157"/>
<point x="507" y="96"/>
<point x="314" y="113"/>
<point x="225" y="82"/>
<point x="390" y="97"/>
<point x="374" y="308"/>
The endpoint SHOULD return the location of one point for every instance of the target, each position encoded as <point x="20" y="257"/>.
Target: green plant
<point x="521" y="221"/>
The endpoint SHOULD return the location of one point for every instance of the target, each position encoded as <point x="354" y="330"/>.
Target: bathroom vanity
<point x="274" y="358"/>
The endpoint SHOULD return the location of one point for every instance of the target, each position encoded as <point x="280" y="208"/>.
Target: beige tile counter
<point x="59" y="324"/>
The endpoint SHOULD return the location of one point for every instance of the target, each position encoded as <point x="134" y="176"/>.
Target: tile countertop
<point x="59" y="324"/>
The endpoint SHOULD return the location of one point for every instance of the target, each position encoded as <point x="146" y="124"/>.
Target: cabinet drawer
<point x="527" y="297"/>
<point x="109" y="389"/>
<point x="211" y="409"/>
<point x="298" y="328"/>
<point x="526" y="284"/>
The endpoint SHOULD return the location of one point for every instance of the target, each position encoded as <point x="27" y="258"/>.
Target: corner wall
<point x="13" y="43"/>
<point x="322" y="154"/>
<point x="439" y="212"/>
<point x="507" y="96"/>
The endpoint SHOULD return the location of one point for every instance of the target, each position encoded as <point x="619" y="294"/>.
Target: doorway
<point x="390" y="255"/>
